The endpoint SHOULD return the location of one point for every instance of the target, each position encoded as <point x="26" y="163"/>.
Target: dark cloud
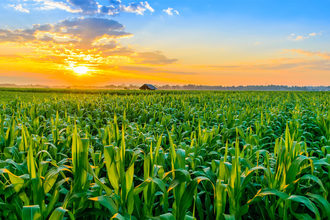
<point x="96" y="36"/>
<point x="85" y="30"/>
<point x="113" y="8"/>
<point x="153" y="58"/>
<point x="21" y="35"/>
<point x="44" y="27"/>
<point x="89" y="29"/>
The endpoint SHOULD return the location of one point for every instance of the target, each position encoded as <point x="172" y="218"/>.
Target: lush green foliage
<point x="203" y="155"/>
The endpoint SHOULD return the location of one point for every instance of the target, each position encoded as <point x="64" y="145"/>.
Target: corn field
<point x="189" y="155"/>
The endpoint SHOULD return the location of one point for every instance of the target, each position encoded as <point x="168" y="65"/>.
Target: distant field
<point x="99" y="154"/>
<point x="29" y="94"/>
<point x="7" y="96"/>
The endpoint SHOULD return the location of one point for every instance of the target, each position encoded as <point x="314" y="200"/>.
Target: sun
<point x="80" y="70"/>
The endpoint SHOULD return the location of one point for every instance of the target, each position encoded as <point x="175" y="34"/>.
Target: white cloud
<point x="137" y="8"/>
<point x="148" y="7"/>
<point x="295" y="37"/>
<point x="20" y="8"/>
<point x="51" y="5"/>
<point x="89" y="7"/>
<point x="171" y="11"/>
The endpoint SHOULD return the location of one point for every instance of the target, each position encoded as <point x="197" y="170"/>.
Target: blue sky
<point x="195" y="34"/>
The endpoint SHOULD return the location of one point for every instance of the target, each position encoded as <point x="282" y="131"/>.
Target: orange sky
<point x="58" y="64"/>
<point x="96" y="50"/>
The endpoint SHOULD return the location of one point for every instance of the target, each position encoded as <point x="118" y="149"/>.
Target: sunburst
<point x="81" y="70"/>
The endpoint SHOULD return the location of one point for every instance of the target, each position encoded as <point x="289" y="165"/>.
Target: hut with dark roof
<point x="148" y="87"/>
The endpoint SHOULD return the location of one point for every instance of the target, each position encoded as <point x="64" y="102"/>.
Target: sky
<point x="204" y="42"/>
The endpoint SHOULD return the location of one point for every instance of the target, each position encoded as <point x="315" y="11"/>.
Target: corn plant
<point x="165" y="155"/>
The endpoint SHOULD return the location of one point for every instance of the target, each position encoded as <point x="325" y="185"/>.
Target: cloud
<point x="92" y="7"/>
<point x="20" y="8"/>
<point x="171" y="11"/>
<point x="311" y="61"/>
<point x="155" y="58"/>
<point x="16" y="35"/>
<point x="283" y="65"/>
<point x="148" y="7"/>
<point x="82" y="30"/>
<point x="89" y="29"/>
<point x="115" y="7"/>
<point x="92" y="42"/>
<point x="87" y="6"/>
<point x="51" y="5"/>
<point x="137" y="8"/>
<point x="295" y="37"/>
<point x="321" y="62"/>
<point x="292" y="64"/>
<point x="144" y="69"/>
<point x="311" y="53"/>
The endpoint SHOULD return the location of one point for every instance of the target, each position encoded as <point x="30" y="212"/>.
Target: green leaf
<point x="323" y="202"/>
<point x="15" y="180"/>
<point x="31" y="212"/>
<point x="315" y="179"/>
<point x="274" y="192"/>
<point x="112" y="172"/>
<point x="188" y="217"/>
<point x="119" y="217"/>
<point x="107" y="202"/>
<point x="129" y="177"/>
<point x="59" y="213"/>
<point x="49" y="182"/>
<point x="294" y="168"/>
<point x="167" y="216"/>
<point x="229" y="217"/>
<point x="307" y="203"/>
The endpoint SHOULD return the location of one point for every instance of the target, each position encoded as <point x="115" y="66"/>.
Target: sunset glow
<point x="80" y="70"/>
<point x="214" y="43"/>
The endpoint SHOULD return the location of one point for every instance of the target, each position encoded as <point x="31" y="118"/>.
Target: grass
<point x="164" y="155"/>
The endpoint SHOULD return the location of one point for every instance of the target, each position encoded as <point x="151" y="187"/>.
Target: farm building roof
<point x="148" y="87"/>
